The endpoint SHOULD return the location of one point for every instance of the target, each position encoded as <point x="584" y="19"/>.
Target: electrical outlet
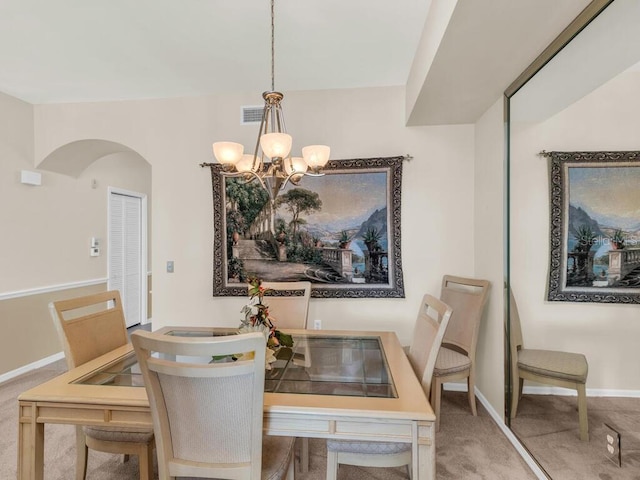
<point x="613" y="445"/>
<point x="317" y="324"/>
<point x="170" y="266"/>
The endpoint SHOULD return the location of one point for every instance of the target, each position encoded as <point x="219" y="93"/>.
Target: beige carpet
<point x="548" y="426"/>
<point x="467" y="447"/>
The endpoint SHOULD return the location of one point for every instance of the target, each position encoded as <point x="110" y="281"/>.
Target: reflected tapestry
<point x="340" y="231"/>
<point x="595" y="227"/>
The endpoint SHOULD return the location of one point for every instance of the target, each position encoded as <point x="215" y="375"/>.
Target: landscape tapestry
<point x="595" y="227"/>
<point x="340" y="231"/>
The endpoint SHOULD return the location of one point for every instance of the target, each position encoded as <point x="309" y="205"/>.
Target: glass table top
<point x="315" y="365"/>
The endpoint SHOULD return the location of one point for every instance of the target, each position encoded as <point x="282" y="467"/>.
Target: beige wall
<point x="440" y="233"/>
<point x="46" y="232"/>
<point x="606" y="333"/>
<point x="489" y="245"/>
<point x="176" y="135"/>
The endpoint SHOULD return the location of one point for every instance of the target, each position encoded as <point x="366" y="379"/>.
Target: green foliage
<point x="618" y="238"/>
<point x="299" y="201"/>
<point x="585" y="238"/>
<point x="246" y="198"/>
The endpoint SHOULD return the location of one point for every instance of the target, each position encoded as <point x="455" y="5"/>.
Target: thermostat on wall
<point x="30" y="178"/>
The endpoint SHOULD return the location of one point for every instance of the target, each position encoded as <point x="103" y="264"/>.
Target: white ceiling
<point x="104" y="50"/>
<point x="92" y="50"/>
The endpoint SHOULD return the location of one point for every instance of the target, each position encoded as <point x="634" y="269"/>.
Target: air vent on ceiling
<point x="251" y="114"/>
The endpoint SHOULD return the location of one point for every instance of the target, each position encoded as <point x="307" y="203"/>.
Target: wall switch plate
<point x="317" y="324"/>
<point x="613" y="445"/>
<point x="170" y="266"/>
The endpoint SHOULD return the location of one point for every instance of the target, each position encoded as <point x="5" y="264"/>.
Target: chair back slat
<point x="428" y="332"/>
<point x="290" y="310"/>
<point x="89" y="326"/>
<point x="467" y="297"/>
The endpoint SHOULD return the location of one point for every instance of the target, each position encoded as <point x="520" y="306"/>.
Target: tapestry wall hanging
<point x="340" y="231"/>
<point x="595" y="227"/>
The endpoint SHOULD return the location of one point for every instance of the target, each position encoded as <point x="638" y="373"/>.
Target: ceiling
<point x="106" y="50"/>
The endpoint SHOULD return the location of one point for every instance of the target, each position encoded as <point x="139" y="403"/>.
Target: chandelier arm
<point x="242" y="174"/>
<point x="298" y="174"/>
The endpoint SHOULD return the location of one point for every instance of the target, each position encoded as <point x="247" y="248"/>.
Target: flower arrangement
<point x="257" y="319"/>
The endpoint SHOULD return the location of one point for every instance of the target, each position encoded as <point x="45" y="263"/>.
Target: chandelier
<point x="271" y="163"/>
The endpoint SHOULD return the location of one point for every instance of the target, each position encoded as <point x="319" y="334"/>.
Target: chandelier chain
<point x="273" y="50"/>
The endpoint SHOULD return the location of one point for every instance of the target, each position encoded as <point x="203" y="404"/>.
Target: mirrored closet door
<point x="586" y="98"/>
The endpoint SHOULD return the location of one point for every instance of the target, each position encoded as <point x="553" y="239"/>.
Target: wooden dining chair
<point x="89" y="327"/>
<point x="548" y="367"/>
<point x="288" y="303"/>
<point x="208" y="416"/>
<point x="433" y="318"/>
<point x="289" y="307"/>
<point x="457" y="357"/>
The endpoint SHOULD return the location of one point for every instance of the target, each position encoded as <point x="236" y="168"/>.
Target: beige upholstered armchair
<point x="208" y="416"/>
<point x="88" y="327"/>
<point x="457" y="356"/>
<point x="433" y="318"/>
<point x="549" y="367"/>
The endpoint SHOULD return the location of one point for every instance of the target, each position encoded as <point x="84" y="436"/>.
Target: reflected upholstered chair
<point x="291" y="310"/>
<point x="548" y="367"/>
<point x="428" y="332"/>
<point x="457" y="356"/>
<point x="208" y="416"/>
<point x="89" y="327"/>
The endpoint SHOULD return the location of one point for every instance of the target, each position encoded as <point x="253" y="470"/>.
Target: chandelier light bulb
<point x="295" y="164"/>
<point x="228" y="153"/>
<point x="276" y="145"/>
<point x="245" y="164"/>
<point x="316" y="156"/>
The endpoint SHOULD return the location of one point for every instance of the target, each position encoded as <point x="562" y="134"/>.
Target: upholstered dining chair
<point x="208" y="416"/>
<point x="289" y="308"/>
<point x="428" y="332"/>
<point x="548" y="367"/>
<point x="457" y="357"/>
<point x="88" y="327"/>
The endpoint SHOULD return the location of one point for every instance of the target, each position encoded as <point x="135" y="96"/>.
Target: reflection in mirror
<point x="586" y="98"/>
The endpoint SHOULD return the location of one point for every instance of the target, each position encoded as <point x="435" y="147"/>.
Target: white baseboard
<point x="499" y="421"/>
<point x="591" y="392"/>
<point x="32" y="366"/>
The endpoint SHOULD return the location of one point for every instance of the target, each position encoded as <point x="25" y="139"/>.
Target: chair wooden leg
<point x="471" y="388"/>
<point x="332" y="465"/>
<point x="291" y="471"/>
<point x="81" y="454"/>
<point x="436" y="394"/>
<point x="582" y="413"/>
<point x="516" y="388"/>
<point x="304" y="454"/>
<point x="145" y="460"/>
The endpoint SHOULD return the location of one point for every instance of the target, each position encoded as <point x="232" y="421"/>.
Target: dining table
<point x="332" y="384"/>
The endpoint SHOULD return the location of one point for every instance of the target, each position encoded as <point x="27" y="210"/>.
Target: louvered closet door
<point x="125" y="253"/>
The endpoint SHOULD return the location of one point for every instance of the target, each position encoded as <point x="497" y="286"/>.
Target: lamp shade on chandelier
<point x="271" y="163"/>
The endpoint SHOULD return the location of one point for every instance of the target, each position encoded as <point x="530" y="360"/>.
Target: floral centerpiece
<point x="257" y="319"/>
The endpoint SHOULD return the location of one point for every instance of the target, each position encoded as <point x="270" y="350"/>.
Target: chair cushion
<point x="354" y="446"/>
<point x="114" y="435"/>
<point x="449" y="361"/>
<point x="276" y="456"/>
<point x="551" y="363"/>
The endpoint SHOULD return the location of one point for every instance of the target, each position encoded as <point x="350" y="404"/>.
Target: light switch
<point x="170" y="266"/>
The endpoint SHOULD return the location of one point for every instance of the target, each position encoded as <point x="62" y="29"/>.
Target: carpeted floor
<point x="467" y="447"/>
<point x="548" y="426"/>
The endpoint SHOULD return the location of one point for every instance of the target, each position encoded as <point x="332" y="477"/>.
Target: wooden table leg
<point x="424" y="451"/>
<point x="30" y="443"/>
